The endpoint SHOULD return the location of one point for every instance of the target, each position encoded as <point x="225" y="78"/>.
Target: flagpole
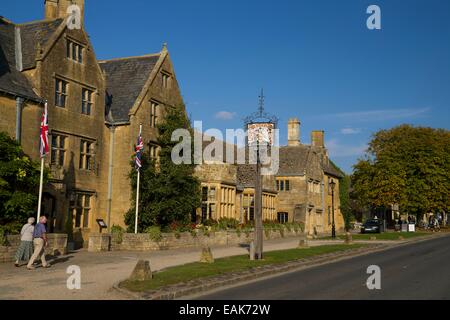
<point x="40" y="189"/>
<point x="43" y="151"/>
<point x="137" y="193"/>
<point x="137" y="202"/>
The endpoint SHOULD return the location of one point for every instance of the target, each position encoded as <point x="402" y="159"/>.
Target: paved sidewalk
<point x="99" y="271"/>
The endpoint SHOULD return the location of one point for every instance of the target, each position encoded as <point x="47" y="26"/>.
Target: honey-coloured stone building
<point x="95" y="109"/>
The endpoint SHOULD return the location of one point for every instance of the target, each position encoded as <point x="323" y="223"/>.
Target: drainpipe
<point x="112" y="130"/>
<point x="19" y="107"/>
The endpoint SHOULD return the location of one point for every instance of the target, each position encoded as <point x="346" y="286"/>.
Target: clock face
<point x="260" y="132"/>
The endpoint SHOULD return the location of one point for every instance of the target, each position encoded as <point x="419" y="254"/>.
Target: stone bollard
<point x="206" y="256"/>
<point x="348" y="238"/>
<point x="303" y="243"/>
<point x="401" y="238"/>
<point x="373" y="238"/>
<point x="141" y="271"/>
<point x="252" y="250"/>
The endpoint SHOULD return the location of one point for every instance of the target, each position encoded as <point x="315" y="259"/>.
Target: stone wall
<point x="57" y="245"/>
<point x="142" y="241"/>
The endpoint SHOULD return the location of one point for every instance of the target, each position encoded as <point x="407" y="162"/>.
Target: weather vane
<point x="261" y="115"/>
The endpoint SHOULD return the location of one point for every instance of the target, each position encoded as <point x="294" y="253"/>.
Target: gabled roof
<point x="246" y="177"/>
<point x="331" y="169"/>
<point x="125" y="79"/>
<point x="36" y="34"/>
<point x="293" y="160"/>
<point x="12" y="81"/>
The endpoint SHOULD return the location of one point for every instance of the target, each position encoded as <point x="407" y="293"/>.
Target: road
<point x="414" y="271"/>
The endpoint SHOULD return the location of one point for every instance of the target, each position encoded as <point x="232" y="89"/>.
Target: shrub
<point x="154" y="233"/>
<point x="13" y="227"/>
<point x="117" y="231"/>
<point x="3" y="241"/>
<point x="227" y="223"/>
<point x="206" y="230"/>
<point x="209" y="223"/>
<point x="193" y="230"/>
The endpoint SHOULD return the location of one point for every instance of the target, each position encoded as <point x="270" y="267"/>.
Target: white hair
<point x="31" y="220"/>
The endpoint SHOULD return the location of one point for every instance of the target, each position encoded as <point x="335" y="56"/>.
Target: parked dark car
<point x="372" y="226"/>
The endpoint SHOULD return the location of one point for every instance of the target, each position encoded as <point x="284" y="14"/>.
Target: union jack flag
<point x="139" y="150"/>
<point x="44" y="148"/>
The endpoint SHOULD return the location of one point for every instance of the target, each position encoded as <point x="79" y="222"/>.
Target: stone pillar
<point x="142" y="271"/>
<point x="303" y="243"/>
<point x="348" y="238"/>
<point x="206" y="256"/>
<point x="99" y="242"/>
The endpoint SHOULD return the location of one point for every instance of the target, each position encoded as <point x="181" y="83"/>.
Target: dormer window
<point x="74" y="51"/>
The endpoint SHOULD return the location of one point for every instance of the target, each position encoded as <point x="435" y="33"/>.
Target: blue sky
<point x="315" y="59"/>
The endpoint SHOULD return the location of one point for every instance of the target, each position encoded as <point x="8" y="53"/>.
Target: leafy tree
<point x="19" y="182"/>
<point x="344" y="197"/>
<point x="168" y="192"/>
<point x="405" y="165"/>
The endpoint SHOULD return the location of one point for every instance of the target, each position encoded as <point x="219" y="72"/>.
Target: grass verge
<point x="222" y="266"/>
<point x="383" y="236"/>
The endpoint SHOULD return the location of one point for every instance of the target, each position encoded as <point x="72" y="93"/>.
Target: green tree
<point x="405" y="165"/>
<point x="168" y="192"/>
<point x="19" y="182"/>
<point x="344" y="194"/>
<point x="344" y="198"/>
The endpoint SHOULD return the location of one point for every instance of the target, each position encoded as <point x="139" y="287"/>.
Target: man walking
<point x="40" y="242"/>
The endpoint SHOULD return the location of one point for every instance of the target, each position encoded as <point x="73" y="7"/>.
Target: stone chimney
<point x="58" y="8"/>
<point x="293" y="132"/>
<point x="318" y="138"/>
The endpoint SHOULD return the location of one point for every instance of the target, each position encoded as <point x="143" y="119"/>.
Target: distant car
<point x="372" y="226"/>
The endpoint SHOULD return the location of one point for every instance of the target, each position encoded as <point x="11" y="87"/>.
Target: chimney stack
<point x="318" y="138"/>
<point x="55" y="9"/>
<point x="293" y="132"/>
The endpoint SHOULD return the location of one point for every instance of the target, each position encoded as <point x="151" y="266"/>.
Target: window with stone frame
<point x="165" y="77"/>
<point x="60" y="93"/>
<point x="227" y="201"/>
<point x="283" y="185"/>
<point x="58" y="152"/>
<point x="282" y="217"/>
<point x="154" y="106"/>
<point x="74" y="51"/>
<point x="153" y="150"/>
<point x="268" y="207"/>
<point x="81" y="210"/>
<point x="87" y="155"/>
<point x="248" y="204"/>
<point x="208" y="202"/>
<point x="87" y="101"/>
